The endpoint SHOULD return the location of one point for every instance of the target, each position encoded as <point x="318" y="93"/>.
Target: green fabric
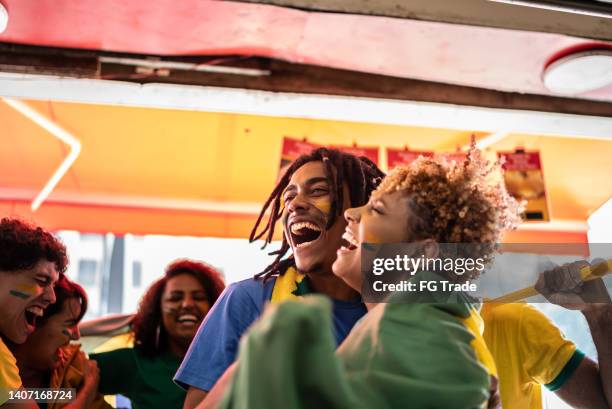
<point x="567" y="371"/>
<point x="399" y="356"/>
<point x="146" y="382"/>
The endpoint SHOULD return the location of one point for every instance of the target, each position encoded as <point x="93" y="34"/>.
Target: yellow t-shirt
<point x="9" y="373"/>
<point x="529" y="351"/>
<point x="475" y="324"/>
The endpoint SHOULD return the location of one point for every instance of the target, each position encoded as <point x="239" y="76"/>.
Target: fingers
<point x="565" y="278"/>
<point x="595" y="291"/>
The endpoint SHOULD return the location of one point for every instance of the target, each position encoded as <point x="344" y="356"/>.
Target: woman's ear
<point x="430" y="248"/>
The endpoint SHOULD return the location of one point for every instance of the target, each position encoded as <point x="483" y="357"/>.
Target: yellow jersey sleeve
<point x="9" y="373"/>
<point x="529" y="351"/>
<point x="544" y="348"/>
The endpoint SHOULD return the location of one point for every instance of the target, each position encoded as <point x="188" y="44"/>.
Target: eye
<point x="375" y="209"/>
<point x="288" y="197"/>
<point x="320" y="191"/>
<point x="175" y="298"/>
<point x="43" y="282"/>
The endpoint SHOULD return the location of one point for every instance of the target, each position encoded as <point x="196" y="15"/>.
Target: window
<point x="136" y="273"/>
<point x="88" y="270"/>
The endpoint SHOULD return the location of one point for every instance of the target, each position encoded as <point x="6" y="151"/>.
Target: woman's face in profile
<point x="43" y="349"/>
<point x="184" y="304"/>
<point x="384" y="219"/>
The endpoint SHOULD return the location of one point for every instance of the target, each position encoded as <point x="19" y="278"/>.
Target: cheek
<point x="324" y="205"/>
<point x="370" y="232"/>
<point x="25" y="292"/>
<point x="203" y="306"/>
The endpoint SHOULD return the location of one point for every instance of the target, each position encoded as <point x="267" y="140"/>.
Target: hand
<point x="563" y="285"/>
<point x="91" y="380"/>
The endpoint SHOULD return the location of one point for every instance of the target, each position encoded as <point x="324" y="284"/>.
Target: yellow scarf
<point x="289" y="286"/>
<point x="70" y="375"/>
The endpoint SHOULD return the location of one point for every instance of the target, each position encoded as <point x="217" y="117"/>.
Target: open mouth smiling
<point x="349" y="243"/>
<point x="188" y="319"/>
<point x="32" y="313"/>
<point x="304" y="233"/>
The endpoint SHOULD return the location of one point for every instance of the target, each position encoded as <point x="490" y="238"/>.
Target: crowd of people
<point x="299" y="334"/>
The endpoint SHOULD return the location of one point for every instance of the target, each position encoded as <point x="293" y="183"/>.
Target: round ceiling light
<point x="579" y="72"/>
<point x="3" y="18"/>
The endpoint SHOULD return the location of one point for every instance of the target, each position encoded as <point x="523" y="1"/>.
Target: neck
<point x="332" y="286"/>
<point x="370" y="305"/>
<point x="31" y="378"/>
<point x="177" y="348"/>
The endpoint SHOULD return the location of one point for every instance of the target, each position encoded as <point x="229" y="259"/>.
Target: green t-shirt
<point x="146" y="382"/>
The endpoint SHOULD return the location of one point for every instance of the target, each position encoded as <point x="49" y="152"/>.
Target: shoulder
<point x="7" y="359"/>
<point x="515" y="316"/>
<point x="9" y="373"/>
<point x="116" y="354"/>
<point x="250" y="288"/>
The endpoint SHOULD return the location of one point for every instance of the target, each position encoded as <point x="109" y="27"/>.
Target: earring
<point x="157" y="336"/>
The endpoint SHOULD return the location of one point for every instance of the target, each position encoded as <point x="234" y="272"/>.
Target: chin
<point x="307" y="268"/>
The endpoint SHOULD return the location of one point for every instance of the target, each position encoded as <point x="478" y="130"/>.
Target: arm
<point x="215" y="345"/>
<point x="195" y="398"/>
<point x="216" y="394"/>
<point x="591" y="385"/>
<point x="599" y="318"/>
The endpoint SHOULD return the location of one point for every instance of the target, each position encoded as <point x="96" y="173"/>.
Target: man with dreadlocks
<point x="310" y="199"/>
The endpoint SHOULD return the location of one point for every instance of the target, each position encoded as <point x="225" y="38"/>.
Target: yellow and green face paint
<point x="24" y="291"/>
<point x="323" y="204"/>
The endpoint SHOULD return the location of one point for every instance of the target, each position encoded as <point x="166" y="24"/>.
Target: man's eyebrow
<point x="317" y="179"/>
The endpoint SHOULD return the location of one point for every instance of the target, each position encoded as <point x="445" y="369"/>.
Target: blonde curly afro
<point x="465" y="203"/>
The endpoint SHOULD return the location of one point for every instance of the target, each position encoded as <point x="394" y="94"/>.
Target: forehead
<point x="304" y="173"/>
<point x="395" y="202"/>
<point x="183" y="282"/>
<point x="45" y="267"/>
<point x="71" y="308"/>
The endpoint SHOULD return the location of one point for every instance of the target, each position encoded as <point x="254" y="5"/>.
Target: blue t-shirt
<point x="215" y="345"/>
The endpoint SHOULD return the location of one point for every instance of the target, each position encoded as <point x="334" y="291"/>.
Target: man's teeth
<point x="296" y="227"/>
<point x="38" y="311"/>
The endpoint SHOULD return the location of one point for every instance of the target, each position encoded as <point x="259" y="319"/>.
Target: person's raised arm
<point x="590" y="385"/>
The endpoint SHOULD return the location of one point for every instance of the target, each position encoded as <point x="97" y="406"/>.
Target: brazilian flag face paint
<point x="24" y="294"/>
<point x="24" y="291"/>
<point x="19" y="294"/>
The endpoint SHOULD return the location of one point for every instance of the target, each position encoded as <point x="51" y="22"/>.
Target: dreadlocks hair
<point x="361" y="175"/>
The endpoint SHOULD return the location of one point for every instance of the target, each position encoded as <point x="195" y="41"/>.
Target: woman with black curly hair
<point x="168" y="317"/>
<point x="31" y="261"/>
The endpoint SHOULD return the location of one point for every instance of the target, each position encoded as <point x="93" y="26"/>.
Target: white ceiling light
<point x="579" y="72"/>
<point x="3" y="18"/>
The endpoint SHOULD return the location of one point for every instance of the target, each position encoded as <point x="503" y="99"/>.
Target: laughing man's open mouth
<point x="304" y="233"/>
<point x="31" y="313"/>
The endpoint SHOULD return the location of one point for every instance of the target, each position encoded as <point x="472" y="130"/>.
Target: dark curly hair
<point x="65" y="290"/>
<point x="360" y="174"/>
<point x="149" y="316"/>
<point x="23" y="245"/>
